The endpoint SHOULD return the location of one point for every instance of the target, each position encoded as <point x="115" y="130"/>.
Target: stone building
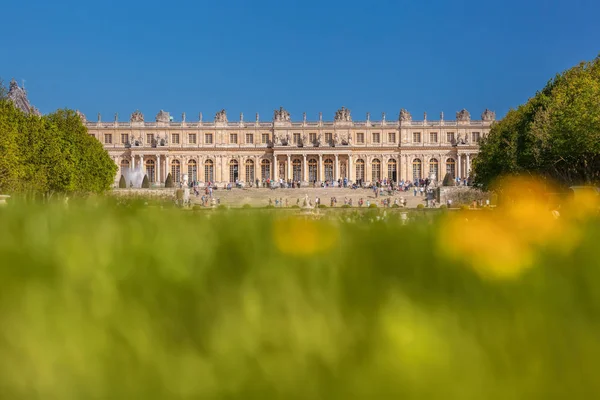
<point x="226" y="151"/>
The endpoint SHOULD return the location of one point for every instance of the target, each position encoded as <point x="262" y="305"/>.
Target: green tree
<point x="122" y="183"/>
<point x="556" y="134"/>
<point x="145" y="182"/>
<point x="169" y="181"/>
<point x="448" y="180"/>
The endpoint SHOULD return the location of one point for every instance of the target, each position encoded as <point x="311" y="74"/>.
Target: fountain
<point x="134" y="177"/>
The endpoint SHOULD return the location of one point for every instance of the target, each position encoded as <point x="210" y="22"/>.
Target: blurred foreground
<point x="111" y="302"/>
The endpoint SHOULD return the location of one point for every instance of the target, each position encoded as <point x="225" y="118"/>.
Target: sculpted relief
<point x="463" y="115"/>
<point x="162" y="116"/>
<point x="405" y="116"/>
<point x="488" y="115"/>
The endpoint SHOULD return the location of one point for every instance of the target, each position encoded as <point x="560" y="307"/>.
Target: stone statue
<point x="368" y="116"/>
<point x="163" y="116"/>
<point x="335" y="139"/>
<point x="200" y="117"/>
<point x="425" y="116"/>
<point x="405" y="116"/>
<point x="442" y="116"/>
<point x="304" y="139"/>
<point x="81" y="116"/>
<point x="342" y="115"/>
<point x="241" y="117"/>
<point x="287" y="139"/>
<point x="463" y="115"/>
<point x="383" y="117"/>
<point x="304" y="117"/>
<point x="320" y="116"/>
<point x="116" y="117"/>
<point x="256" y="117"/>
<point x="319" y="138"/>
<point x="281" y="115"/>
<point x="18" y="96"/>
<point x="183" y="117"/>
<point x="488" y="115"/>
<point x="99" y="117"/>
<point x="221" y="116"/>
<point x="136" y="116"/>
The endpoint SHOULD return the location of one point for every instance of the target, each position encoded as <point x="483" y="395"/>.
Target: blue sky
<point x="308" y="56"/>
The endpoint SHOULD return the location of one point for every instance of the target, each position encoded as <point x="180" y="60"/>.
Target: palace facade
<point x="224" y="151"/>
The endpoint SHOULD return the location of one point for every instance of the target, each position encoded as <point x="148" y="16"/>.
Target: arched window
<point x="249" y="171"/>
<point x="124" y="167"/>
<point x="209" y="171"/>
<point x="433" y="169"/>
<point x="312" y="170"/>
<point x="360" y="170"/>
<point x="297" y="170"/>
<point x="265" y="169"/>
<point x="328" y="164"/>
<point x="417" y="168"/>
<point x="234" y="171"/>
<point x="451" y="167"/>
<point x="192" y="171"/>
<point x="376" y="170"/>
<point x="150" y="170"/>
<point x="175" y="170"/>
<point x="392" y="170"/>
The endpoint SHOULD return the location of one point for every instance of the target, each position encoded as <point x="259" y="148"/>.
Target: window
<point x="175" y="138"/>
<point x="329" y="138"/>
<point x="107" y="138"/>
<point x="249" y="171"/>
<point x="265" y="138"/>
<point x="297" y="170"/>
<point x="208" y="138"/>
<point x="476" y="137"/>
<point x="233" y="169"/>
<point x="376" y="137"/>
<point x="360" y="171"/>
<point x="296" y="138"/>
<point x="249" y="138"/>
<point x="392" y="170"/>
<point x="312" y="137"/>
<point x="124" y="138"/>
<point x="376" y="170"/>
<point x="150" y="138"/>
<point x="209" y="171"/>
<point x="360" y="137"/>
<point x="433" y="168"/>
<point x="416" y="169"/>
<point x="433" y="137"/>
<point x="233" y="140"/>
<point x="328" y="169"/>
<point x="175" y="171"/>
<point x="192" y="171"/>
<point x="265" y="169"/>
<point x="124" y="168"/>
<point x="451" y="167"/>
<point x="312" y="170"/>
<point x="150" y="170"/>
<point x="416" y="137"/>
<point x="392" y="137"/>
<point x="192" y="138"/>
<point x="450" y="137"/>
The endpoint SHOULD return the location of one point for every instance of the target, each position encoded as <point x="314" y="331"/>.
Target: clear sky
<point x="308" y="56"/>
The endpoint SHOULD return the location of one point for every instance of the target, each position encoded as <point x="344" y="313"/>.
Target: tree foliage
<point x="49" y="154"/>
<point x="145" y="182"/>
<point x="556" y="134"/>
<point x="448" y="180"/>
<point x="169" y="181"/>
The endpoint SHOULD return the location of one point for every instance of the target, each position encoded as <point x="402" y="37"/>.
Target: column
<point x="304" y="169"/>
<point x="289" y="167"/>
<point x="132" y="166"/>
<point x="468" y="168"/>
<point x="167" y="169"/>
<point x="158" y="177"/>
<point x="349" y="172"/>
<point x="458" y="166"/>
<point x="142" y="164"/>
<point x="336" y="169"/>
<point x="321" y="175"/>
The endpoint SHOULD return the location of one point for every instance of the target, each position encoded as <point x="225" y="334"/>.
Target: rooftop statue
<point x="488" y="115"/>
<point x="163" y="116"/>
<point x="136" y="116"/>
<point x="221" y="116"/>
<point x="81" y="116"/>
<point x="463" y="115"/>
<point x="18" y="96"/>
<point x="281" y="115"/>
<point x="405" y="116"/>
<point x="343" y="115"/>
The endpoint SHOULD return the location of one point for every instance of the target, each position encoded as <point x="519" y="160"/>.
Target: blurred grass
<point x="99" y="301"/>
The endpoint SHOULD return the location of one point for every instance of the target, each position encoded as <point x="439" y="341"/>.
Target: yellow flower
<point x="300" y="236"/>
